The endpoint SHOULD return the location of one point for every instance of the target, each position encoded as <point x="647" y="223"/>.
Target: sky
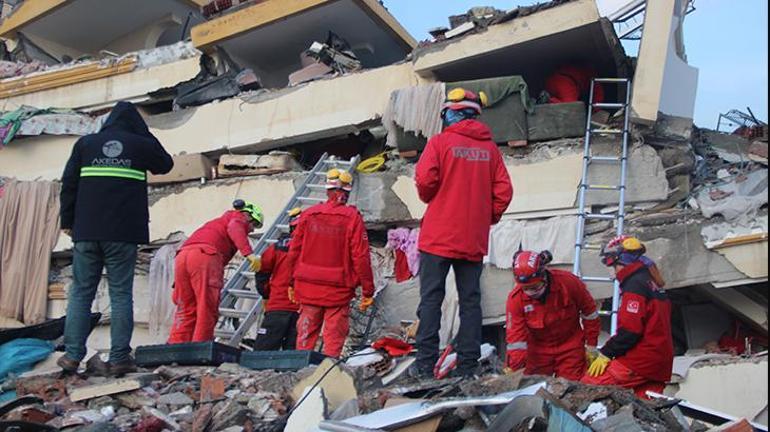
<point x="727" y="40"/>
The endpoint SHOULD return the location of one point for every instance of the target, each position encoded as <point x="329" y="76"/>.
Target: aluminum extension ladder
<point x="235" y="317"/>
<point x="590" y="159"/>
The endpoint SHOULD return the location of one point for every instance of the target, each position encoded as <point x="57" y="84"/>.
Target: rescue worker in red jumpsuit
<point x="279" y="326"/>
<point x="330" y="256"/>
<point x="571" y="83"/>
<point x="641" y="355"/>
<point x="544" y="314"/>
<point x="199" y="270"/>
<point x="462" y="178"/>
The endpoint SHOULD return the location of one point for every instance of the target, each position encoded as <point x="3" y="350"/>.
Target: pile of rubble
<point x="328" y="397"/>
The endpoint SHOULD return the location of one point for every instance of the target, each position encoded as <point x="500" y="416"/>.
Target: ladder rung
<point x="589" y="246"/>
<point x="337" y="162"/>
<point x="604" y="105"/>
<point x="246" y="294"/>
<point x="224" y="334"/>
<point x="597" y="279"/>
<point x="607" y="131"/>
<point x="284" y="228"/>
<point x="312" y="200"/>
<point x="271" y="241"/>
<point x="232" y="313"/>
<point x="602" y="187"/>
<point x="611" y="80"/>
<point x="607" y="313"/>
<point x="605" y="159"/>
<point x="597" y="216"/>
<point x="316" y="186"/>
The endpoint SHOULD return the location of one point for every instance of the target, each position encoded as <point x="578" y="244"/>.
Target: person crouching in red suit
<point x="544" y="315"/>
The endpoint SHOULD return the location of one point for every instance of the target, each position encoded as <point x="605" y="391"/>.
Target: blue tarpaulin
<point x="20" y="355"/>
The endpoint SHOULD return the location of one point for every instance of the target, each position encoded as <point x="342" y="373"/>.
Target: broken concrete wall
<point x="549" y="177"/>
<point x="742" y="386"/>
<point x="188" y="209"/>
<point x="664" y="82"/>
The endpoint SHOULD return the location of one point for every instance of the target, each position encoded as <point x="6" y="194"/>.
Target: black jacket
<point x="104" y="185"/>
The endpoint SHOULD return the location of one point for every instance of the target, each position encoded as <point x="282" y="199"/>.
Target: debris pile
<point x="168" y="398"/>
<point x="329" y="396"/>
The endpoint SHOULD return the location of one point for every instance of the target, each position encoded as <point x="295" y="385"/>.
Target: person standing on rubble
<point x="543" y="319"/>
<point x="279" y="326"/>
<point x="199" y="270"/>
<point x="330" y="256"/>
<point x="104" y="209"/>
<point x="641" y="355"/>
<point x="462" y="178"/>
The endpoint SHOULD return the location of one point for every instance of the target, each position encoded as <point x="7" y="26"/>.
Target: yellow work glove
<point x="591" y="354"/>
<point x="366" y="303"/>
<point x="255" y="263"/>
<point x="599" y="366"/>
<point x="292" y="297"/>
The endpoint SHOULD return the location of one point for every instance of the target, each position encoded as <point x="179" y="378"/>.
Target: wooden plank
<point x="741" y="240"/>
<point x="27" y="13"/>
<point x="234" y="24"/>
<point x="111" y="387"/>
<point x="66" y="77"/>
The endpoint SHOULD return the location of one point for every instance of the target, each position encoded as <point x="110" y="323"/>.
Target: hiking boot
<point x="419" y="373"/>
<point x="67" y="364"/>
<point x="95" y="366"/>
<point x="119" y="369"/>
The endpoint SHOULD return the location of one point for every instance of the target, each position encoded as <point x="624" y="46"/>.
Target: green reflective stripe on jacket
<point x="126" y="173"/>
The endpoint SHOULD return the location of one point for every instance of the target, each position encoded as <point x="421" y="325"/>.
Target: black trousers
<point x="433" y="272"/>
<point x="278" y="332"/>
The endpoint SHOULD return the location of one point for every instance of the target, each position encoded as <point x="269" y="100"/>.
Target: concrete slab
<point x="743" y="388"/>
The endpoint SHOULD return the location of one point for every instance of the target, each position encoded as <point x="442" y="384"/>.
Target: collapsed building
<point x="248" y="97"/>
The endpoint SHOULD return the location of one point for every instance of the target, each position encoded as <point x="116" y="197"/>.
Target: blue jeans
<point x="90" y="257"/>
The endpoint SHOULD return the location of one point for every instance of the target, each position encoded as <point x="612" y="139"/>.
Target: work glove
<point x="366" y="303"/>
<point x="255" y="263"/>
<point x="599" y="366"/>
<point x="591" y="354"/>
<point x="292" y="296"/>
<point x="516" y="359"/>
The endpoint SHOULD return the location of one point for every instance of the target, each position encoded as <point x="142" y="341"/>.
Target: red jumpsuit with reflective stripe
<point x="330" y="257"/>
<point x="546" y="334"/>
<point x="199" y="275"/>
<point x="642" y="351"/>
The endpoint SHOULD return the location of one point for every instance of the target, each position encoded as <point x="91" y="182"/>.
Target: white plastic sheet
<point x="161" y="288"/>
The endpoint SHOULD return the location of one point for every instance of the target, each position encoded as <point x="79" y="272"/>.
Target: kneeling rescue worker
<point x="279" y="326"/>
<point x="199" y="270"/>
<point x="544" y="313"/>
<point x="330" y="256"/>
<point x="641" y="355"/>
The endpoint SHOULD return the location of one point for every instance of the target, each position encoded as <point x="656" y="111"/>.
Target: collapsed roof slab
<point x="531" y="46"/>
<point x="88" y="26"/>
<point x="310" y="112"/>
<point x="270" y="120"/>
<point x="104" y="92"/>
<point x="269" y="36"/>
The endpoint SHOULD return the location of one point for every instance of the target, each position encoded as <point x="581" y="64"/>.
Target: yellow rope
<point x="371" y="165"/>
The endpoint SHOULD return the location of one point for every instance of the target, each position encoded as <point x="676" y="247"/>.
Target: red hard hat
<point x="529" y="267"/>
